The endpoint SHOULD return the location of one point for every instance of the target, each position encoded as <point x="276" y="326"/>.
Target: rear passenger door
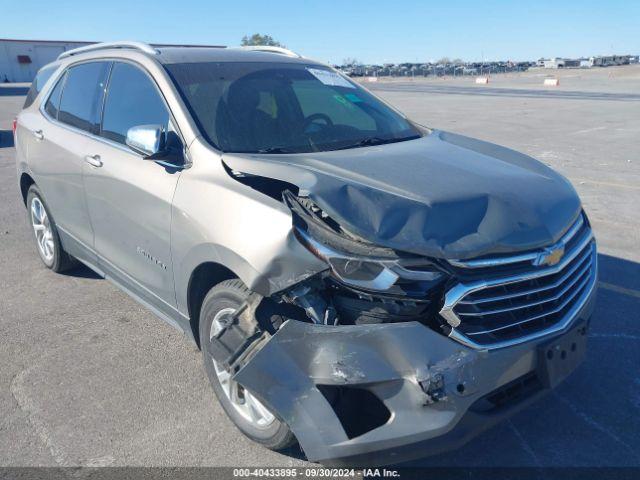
<point x="129" y="198"/>
<point x="56" y="153"/>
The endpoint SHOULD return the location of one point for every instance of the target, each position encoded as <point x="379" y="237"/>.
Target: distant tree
<point x="258" y="39"/>
<point x="444" y="60"/>
<point x="457" y="61"/>
<point x="351" y="61"/>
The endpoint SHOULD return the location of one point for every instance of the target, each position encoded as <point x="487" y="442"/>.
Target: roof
<point x="170" y="55"/>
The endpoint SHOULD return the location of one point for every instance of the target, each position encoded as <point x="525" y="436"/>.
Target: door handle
<point x="38" y="134"/>
<point x="93" y="160"/>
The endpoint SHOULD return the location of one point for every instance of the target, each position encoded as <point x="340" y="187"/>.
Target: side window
<point x="36" y="86"/>
<point x="53" y="102"/>
<point x="132" y="99"/>
<point x="82" y="95"/>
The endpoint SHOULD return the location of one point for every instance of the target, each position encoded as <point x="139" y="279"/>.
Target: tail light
<point x="14" y="126"/>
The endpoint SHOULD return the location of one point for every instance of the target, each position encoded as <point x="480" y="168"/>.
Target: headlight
<point x="362" y="273"/>
<point x="370" y="274"/>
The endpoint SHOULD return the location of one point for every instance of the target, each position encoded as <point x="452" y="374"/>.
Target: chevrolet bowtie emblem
<point x="550" y="256"/>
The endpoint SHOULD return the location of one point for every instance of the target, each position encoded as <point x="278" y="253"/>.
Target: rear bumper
<point x="436" y="390"/>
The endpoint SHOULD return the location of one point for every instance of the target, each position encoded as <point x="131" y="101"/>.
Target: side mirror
<point x="147" y="140"/>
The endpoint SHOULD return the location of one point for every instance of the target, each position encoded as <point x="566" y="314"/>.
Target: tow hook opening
<point x="358" y="410"/>
<point x="433" y="389"/>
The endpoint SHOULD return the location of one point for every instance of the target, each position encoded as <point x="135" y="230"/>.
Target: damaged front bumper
<point x="387" y="393"/>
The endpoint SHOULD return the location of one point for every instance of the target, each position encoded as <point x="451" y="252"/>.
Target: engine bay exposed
<point x="365" y="283"/>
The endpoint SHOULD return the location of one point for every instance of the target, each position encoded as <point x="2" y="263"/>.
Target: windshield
<point x="284" y="108"/>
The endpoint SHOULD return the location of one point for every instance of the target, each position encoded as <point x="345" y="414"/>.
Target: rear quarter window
<point x="82" y="95"/>
<point x="36" y="86"/>
<point x="53" y="102"/>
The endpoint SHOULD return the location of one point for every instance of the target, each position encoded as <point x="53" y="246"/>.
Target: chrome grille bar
<point x="455" y="294"/>
<point x="531" y="304"/>
<point x="557" y="328"/>
<point x="532" y="291"/>
<point x="535" y="317"/>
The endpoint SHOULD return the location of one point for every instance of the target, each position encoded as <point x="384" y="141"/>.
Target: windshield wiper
<point x="275" y="150"/>
<point x="372" y="141"/>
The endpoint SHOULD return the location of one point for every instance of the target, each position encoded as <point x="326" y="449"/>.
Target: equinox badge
<point x="151" y="258"/>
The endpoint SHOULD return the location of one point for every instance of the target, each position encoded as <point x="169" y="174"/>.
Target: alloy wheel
<point x="247" y="405"/>
<point x="43" y="231"/>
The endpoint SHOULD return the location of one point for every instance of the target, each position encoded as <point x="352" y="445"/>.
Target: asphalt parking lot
<point x="88" y="377"/>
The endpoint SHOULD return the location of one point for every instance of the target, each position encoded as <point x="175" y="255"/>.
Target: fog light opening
<point x="358" y="410"/>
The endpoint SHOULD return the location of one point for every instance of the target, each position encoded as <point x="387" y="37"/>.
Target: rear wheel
<point x="247" y="412"/>
<point x="46" y="234"/>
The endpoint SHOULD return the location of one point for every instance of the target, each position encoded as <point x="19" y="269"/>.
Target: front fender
<point x="218" y="219"/>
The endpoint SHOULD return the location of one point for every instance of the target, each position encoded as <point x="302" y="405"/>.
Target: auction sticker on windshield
<point x="330" y="78"/>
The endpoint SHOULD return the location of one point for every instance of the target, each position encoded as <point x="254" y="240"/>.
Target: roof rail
<point x="270" y="49"/>
<point x="143" y="47"/>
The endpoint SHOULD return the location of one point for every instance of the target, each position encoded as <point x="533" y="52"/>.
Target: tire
<point x="46" y="234"/>
<point x="223" y="299"/>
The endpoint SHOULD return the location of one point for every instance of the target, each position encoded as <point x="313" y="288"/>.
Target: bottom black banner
<point x="205" y="473"/>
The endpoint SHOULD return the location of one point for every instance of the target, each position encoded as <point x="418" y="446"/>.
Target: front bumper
<point x="430" y="385"/>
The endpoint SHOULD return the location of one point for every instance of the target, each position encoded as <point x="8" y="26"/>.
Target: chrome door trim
<point x="104" y="140"/>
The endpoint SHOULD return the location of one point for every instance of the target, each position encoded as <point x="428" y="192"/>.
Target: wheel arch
<point x="203" y="278"/>
<point x="26" y="181"/>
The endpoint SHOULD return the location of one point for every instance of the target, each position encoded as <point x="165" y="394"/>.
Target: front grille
<point x="513" y="307"/>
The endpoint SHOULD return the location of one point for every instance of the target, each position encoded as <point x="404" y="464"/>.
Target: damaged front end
<point x="367" y="284"/>
<point x="357" y="359"/>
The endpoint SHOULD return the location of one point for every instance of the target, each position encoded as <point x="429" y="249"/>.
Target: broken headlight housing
<point x="359" y="264"/>
<point x="379" y="274"/>
<point x="370" y="274"/>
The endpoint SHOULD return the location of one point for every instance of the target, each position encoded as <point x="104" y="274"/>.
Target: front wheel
<point x="243" y="408"/>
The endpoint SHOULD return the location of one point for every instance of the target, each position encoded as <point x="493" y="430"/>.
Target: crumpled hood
<point x="444" y="195"/>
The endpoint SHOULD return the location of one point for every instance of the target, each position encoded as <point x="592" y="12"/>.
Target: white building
<point x="554" y="63"/>
<point x="21" y="59"/>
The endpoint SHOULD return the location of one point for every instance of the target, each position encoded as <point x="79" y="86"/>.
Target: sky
<point x="371" y="31"/>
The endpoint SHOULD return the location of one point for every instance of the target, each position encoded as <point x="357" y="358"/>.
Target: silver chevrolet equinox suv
<point x="371" y="288"/>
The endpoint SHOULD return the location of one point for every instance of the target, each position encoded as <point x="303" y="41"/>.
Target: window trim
<point x="120" y="146"/>
<point x="54" y="67"/>
<point x="62" y="78"/>
<point x="64" y="72"/>
<point x="155" y="85"/>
